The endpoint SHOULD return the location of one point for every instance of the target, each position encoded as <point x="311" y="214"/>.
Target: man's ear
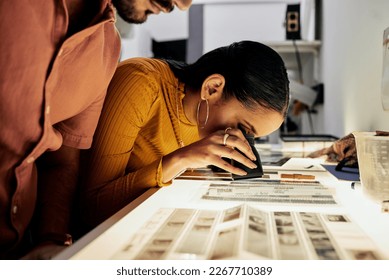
<point x="213" y="87"/>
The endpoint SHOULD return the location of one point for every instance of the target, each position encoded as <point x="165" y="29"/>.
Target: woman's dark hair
<point x="254" y="74"/>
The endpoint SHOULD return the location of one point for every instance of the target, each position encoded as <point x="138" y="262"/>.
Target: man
<point x="56" y="60"/>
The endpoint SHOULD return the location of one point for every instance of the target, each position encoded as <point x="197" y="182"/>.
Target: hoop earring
<point x="198" y="112"/>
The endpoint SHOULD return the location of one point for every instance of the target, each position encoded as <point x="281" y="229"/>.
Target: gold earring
<point x="198" y="112"/>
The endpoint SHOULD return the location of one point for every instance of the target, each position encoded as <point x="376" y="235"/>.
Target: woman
<point x="162" y="117"/>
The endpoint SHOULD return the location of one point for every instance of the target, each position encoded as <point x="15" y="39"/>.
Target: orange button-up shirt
<point x="51" y="93"/>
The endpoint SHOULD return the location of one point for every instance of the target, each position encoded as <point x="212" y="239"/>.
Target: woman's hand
<point x="210" y="151"/>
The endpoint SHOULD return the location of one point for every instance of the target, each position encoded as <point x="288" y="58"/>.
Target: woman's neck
<point x="189" y="103"/>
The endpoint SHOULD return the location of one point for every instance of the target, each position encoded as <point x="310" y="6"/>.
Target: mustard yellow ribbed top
<point x="137" y="127"/>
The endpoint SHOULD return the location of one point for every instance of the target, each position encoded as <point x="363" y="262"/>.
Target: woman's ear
<point x="212" y="87"/>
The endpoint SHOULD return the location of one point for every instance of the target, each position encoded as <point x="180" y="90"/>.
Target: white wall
<point x="137" y="38"/>
<point x="352" y="65"/>
<point x="223" y="26"/>
<point x="228" y="21"/>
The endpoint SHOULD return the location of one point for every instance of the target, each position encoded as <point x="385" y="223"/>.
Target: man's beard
<point x="127" y="10"/>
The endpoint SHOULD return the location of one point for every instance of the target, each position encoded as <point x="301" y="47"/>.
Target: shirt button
<point x="60" y="52"/>
<point x="15" y="209"/>
<point x="30" y="160"/>
<point x="48" y="110"/>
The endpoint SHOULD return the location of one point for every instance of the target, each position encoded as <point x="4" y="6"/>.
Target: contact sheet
<point x="247" y="232"/>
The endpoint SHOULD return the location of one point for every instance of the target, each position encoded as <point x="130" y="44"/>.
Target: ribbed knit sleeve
<point x="112" y="179"/>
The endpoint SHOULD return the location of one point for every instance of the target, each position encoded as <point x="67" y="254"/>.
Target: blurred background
<point x="333" y="53"/>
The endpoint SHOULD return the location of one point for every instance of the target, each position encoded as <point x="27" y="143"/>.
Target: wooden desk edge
<point x="70" y="251"/>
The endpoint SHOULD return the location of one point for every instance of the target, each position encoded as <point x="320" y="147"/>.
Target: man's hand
<point x="343" y="149"/>
<point x="340" y="149"/>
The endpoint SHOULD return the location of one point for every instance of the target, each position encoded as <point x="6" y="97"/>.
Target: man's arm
<point x="343" y="148"/>
<point x="57" y="181"/>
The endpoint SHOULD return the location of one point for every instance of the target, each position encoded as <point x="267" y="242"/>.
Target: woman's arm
<point x="107" y="187"/>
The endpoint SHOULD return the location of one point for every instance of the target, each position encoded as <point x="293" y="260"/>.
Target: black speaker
<point x="170" y="49"/>
<point x="292" y="22"/>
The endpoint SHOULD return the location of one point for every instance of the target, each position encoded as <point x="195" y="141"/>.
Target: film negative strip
<point x="271" y="192"/>
<point x="318" y="237"/>
<point x="289" y="242"/>
<point x="162" y="241"/>
<point x="198" y="236"/>
<point x="257" y="235"/>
